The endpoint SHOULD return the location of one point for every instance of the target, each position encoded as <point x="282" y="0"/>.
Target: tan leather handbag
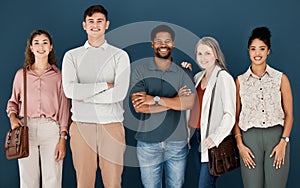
<point x="16" y="142"/>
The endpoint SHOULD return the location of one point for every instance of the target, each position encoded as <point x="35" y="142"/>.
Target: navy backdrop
<point x="229" y="21"/>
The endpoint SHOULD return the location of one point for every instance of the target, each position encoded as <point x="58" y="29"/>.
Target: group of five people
<point x="98" y="76"/>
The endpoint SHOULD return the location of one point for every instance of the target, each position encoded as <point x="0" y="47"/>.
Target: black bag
<point x="17" y="140"/>
<point x="225" y="157"/>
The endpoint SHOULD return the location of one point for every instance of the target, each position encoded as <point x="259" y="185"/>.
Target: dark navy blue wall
<point x="230" y="21"/>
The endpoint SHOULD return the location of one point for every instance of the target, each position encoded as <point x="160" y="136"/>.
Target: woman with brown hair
<point x="47" y="113"/>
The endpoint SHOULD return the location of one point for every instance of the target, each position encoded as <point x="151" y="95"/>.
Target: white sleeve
<point x="121" y="83"/>
<point x="72" y="88"/>
<point x="228" y="97"/>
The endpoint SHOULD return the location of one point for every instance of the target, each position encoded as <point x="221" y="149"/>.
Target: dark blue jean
<point x="205" y="179"/>
<point x="194" y="143"/>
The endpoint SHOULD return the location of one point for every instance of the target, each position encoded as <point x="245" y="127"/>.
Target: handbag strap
<point x="211" y="104"/>
<point x="25" y="95"/>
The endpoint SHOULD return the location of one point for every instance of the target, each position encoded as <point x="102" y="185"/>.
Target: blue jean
<point x="154" y="157"/>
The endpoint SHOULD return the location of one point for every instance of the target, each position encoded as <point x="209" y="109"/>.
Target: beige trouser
<point x="43" y="138"/>
<point x="89" y="141"/>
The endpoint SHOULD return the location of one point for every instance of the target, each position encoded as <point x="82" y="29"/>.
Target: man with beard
<point x="161" y="92"/>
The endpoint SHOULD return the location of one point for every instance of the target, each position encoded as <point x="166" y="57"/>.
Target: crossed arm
<point x="96" y="92"/>
<point x="144" y="103"/>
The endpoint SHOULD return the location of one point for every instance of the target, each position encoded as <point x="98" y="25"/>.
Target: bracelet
<point x="237" y="135"/>
<point x="65" y="137"/>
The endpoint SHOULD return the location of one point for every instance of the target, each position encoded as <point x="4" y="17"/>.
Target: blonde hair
<point x="214" y="45"/>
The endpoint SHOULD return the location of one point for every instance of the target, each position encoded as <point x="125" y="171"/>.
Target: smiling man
<point x="161" y="92"/>
<point x="96" y="78"/>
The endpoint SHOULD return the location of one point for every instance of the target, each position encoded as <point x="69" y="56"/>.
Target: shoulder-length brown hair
<point x="29" y="56"/>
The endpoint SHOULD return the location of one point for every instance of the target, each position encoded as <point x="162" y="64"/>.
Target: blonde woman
<point x="211" y="59"/>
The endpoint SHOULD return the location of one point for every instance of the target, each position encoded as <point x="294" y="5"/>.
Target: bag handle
<point x="211" y="103"/>
<point x="25" y="95"/>
<point x="25" y="108"/>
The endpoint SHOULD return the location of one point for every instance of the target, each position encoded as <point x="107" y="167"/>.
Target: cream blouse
<point x="261" y="104"/>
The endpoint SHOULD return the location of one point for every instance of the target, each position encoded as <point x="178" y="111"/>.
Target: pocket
<point x="177" y="144"/>
<point x="147" y="144"/>
<point x="53" y="126"/>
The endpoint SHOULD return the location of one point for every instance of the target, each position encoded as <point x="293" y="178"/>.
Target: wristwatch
<point x="156" y="100"/>
<point x="65" y="137"/>
<point x="285" y="138"/>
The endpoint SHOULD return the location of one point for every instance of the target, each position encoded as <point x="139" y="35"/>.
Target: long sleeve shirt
<point x="86" y="70"/>
<point x="223" y="110"/>
<point x="45" y="97"/>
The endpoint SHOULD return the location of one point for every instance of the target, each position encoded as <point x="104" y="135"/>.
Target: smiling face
<point x="163" y="45"/>
<point x="258" y="52"/>
<point x="205" y="57"/>
<point x="95" y="25"/>
<point x="41" y="46"/>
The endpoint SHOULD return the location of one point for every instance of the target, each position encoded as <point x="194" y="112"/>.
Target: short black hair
<point x="162" y="28"/>
<point x="261" y="33"/>
<point x="93" y="9"/>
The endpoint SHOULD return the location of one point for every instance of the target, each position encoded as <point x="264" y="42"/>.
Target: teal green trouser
<point x="262" y="141"/>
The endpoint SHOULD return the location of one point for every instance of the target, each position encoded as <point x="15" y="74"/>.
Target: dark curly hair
<point x="162" y="28"/>
<point x="29" y="56"/>
<point x="261" y="33"/>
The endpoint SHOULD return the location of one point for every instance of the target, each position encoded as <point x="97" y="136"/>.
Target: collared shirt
<point x="103" y="46"/>
<point x="164" y="126"/>
<point x="86" y="70"/>
<point x="261" y="104"/>
<point x="45" y="97"/>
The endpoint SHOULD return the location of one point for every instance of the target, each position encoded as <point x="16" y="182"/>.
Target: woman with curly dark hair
<point x="264" y="117"/>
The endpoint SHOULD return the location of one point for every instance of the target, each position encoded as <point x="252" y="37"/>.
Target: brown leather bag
<point x="17" y="140"/>
<point x="225" y="157"/>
